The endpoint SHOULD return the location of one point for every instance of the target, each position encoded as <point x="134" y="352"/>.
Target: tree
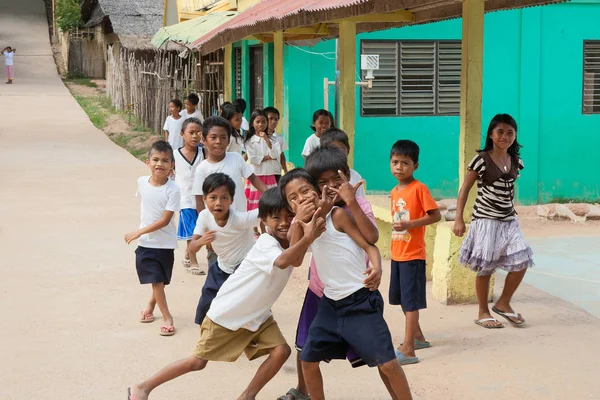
<point x="68" y="15"/>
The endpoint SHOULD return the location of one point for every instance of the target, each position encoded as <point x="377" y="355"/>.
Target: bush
<point x="68" y="15"/>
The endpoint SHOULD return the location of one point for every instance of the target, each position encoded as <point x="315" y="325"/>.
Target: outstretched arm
<point x="294" y="255"/>
<point x="201" y="240"/>
<point x="161" y="223"/>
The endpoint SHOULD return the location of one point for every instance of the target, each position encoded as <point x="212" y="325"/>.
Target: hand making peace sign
<point x="347" y="192"/>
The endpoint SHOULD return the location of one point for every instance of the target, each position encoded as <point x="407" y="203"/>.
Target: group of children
<point x="321" y="208"/>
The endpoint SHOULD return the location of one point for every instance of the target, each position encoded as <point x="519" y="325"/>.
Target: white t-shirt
<point x="236" y="145"/>
<point x="174" y="127"/>
<point x="233" y="165"/>
<point x="256" y="149"/>
<point x="340" y="262"/>
<point x="232" y="241"/>
<point x="155" y="201"/>
<point x="196" y="114"/>
<point x="354" y="179"/>
<point x="282" y="143"/>
<point x="245" y="124"/>
<point x="246" y="298"/>
<point x="311" y="144"/>
<point x="8" y="58"/>
<point x="184" y="176"/>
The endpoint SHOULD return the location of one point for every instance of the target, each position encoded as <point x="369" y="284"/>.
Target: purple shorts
<point x="307" y="316"/>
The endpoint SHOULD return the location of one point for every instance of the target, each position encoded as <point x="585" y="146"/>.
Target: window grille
<point x="591" y="77"/>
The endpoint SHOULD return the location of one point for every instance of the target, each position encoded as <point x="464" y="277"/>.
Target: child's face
<point x="160" y="163"/>
<point x="273" y="122"/>
<point x="503" y="136"/>
<point x="260" y="124"/>
<point x="402" y="167"/>
<point x="340" y="146"/>
<point x="189" y="106"/>
<point x="191" y="135"/>
<point x="236" y="121"/>
<point x="218" y="202"/>
<point x="298" y="191"/>
<point x="173" y="109"/>
<point x="322" y="124"/>
<point x="278" y="224"/>
<point x="331" y="179"/>
<point x="216" y="141"/>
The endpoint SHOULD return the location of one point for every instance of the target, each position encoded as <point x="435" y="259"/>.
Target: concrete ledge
<point x="452" y="282"/>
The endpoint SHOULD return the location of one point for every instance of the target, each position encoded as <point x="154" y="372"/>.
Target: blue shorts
<point x="215" y="278"/>
<point x="187" y="223"/>
<point x="407" y="285"/>
<point x="154" y="265"/>
<point x="355" y="321"/>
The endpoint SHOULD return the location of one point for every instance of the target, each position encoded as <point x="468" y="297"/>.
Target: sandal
<point x="421" y="345"/>
<point x="195" y="271"/>
<point x="167" y="330"/>
<point x="146" y="318"/>
<point x="186" y="263"/>
<point x="509" y="315"/>
<point x="295" y="393"/>
<point x="481" y="322"/>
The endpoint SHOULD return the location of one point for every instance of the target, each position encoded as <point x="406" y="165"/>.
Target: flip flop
<point x="146" y="318"/>
<point x="195" y="271"/>
<point x="481" y="321"/>
<point x="508" y="316"/>
<point x="167" y="330"/>
<point x="186" y="263"/>
<point x="295" y="393"/>
<point x="421" y="345"/>
<point x="405" y="360"/>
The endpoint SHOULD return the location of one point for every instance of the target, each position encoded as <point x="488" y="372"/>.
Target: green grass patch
<point x="82" y="82"/>
<point x="93" y="109"/>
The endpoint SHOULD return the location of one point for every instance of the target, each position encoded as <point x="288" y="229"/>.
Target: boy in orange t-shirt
<point x="413" y="208"/>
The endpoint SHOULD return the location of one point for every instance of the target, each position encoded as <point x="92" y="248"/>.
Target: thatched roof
<point x="275" y="15"/>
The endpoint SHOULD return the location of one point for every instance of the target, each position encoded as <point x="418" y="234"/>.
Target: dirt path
<point x="70" y="296"/>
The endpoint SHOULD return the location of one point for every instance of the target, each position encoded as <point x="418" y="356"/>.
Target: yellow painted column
<point x="278" y="70"/>
<point x="453" y="283"/>
<point x="228" y="73"/>
<point x="347" y="95"/>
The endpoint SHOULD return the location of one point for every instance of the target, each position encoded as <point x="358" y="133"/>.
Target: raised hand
<point x="347" y="192"/>
<point x="327" y="202"/>
<point x="315" y="227"/>
<point x="305" y="208"/>
<point x="373" y="279"/>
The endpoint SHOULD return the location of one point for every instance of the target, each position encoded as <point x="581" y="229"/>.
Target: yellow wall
<point x="244" y="4"/>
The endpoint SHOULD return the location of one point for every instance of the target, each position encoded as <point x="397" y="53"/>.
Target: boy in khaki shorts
<point x="240" y="320"/>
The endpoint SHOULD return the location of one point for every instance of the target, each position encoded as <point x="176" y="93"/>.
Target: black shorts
<point x="407" y="285"/>
<point x="215" y="278"/>
<point x="355" y="321"/>
<point x="154" y="265"/>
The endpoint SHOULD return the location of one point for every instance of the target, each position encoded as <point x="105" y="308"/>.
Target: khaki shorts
<point x="221" y="344"/>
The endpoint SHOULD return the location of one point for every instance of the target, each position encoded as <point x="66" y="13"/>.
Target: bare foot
<point x="408" y="352"/>
<point x="137" y="393"/>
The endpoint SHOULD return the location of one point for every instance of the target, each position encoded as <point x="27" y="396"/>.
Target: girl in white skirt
<point x="494" y="239"/>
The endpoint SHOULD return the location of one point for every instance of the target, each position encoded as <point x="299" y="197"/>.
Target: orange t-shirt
<point x="410" y="203"/>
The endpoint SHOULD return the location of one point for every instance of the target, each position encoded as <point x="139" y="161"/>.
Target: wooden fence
<point x="143" y="82"/>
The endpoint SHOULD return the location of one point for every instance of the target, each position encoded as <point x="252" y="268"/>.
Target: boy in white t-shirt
<point x="228" y="231"/>
<point x="273" y="117"/>
<point x="240" y="319"/>
<point x="9" y="54"/>
<point x="158" y="232"/>
<point x="338" y="138"/>
<point x="191" y="108"/>
<point x="173" y="123"/>
<point x="322" y="120"/>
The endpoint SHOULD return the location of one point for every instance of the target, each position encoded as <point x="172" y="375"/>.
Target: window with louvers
<point x="414" y="78"/>
<point x="591" y="77"/>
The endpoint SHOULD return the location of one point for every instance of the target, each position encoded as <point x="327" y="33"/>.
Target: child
<point x="494" y="239"/>
<point x="187" y="159"/>
<point x="240" y="319"/>
<point x="329" y="167"/>
<point x="263" y="154"/>
<point x="413" y="209"/>
<point x="173" y="124"/>
<point x="233" y="114"/>
<point x="338" y="138"/>
<point x="158" y="232"/>
<point x="241" y="105"/>
<point x="351" y="311"/>
<point x="228" y="231"/>
<point x="322" y="120"/>
<point x="273" y="119"/>
<point x="9" y="54"/>
<point x="191" y="111"/>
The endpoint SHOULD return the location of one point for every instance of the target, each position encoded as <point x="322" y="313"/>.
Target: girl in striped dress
<point x="494" y="239"/>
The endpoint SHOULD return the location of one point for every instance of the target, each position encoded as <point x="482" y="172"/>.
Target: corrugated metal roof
<point x="189" y="31"/>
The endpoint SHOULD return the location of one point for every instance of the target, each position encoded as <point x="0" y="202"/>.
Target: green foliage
<point x="92" y="108"/>
<point x="82" y="82"/>
<point x="68" y="15"/>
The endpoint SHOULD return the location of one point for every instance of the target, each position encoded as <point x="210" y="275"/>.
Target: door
<point x="256" y="78"/>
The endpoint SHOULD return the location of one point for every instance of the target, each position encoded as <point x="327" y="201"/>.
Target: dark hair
<point x="228" y="111"/>
<point x="322" y="113"/>
<point x="271" y="203"/>
<point x="177" y="103"/>
<point x="515" y="149"/>
<point x="406" y="148"/>
<point x="271" y="110"/>
<point x="193" y="98"/>
<point x="190" y="121"/>
<point x="326" y="159"/>
<point x="255" y="114"/>
<point x="223" y="105"/>
<point x="211" y="122"/>
<point x="215" y="181"/>
<point x="296" y="173"/>
<point x="241" y="104"/>
<point x="334" y="135"/>
<point x="161" y="147"/>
